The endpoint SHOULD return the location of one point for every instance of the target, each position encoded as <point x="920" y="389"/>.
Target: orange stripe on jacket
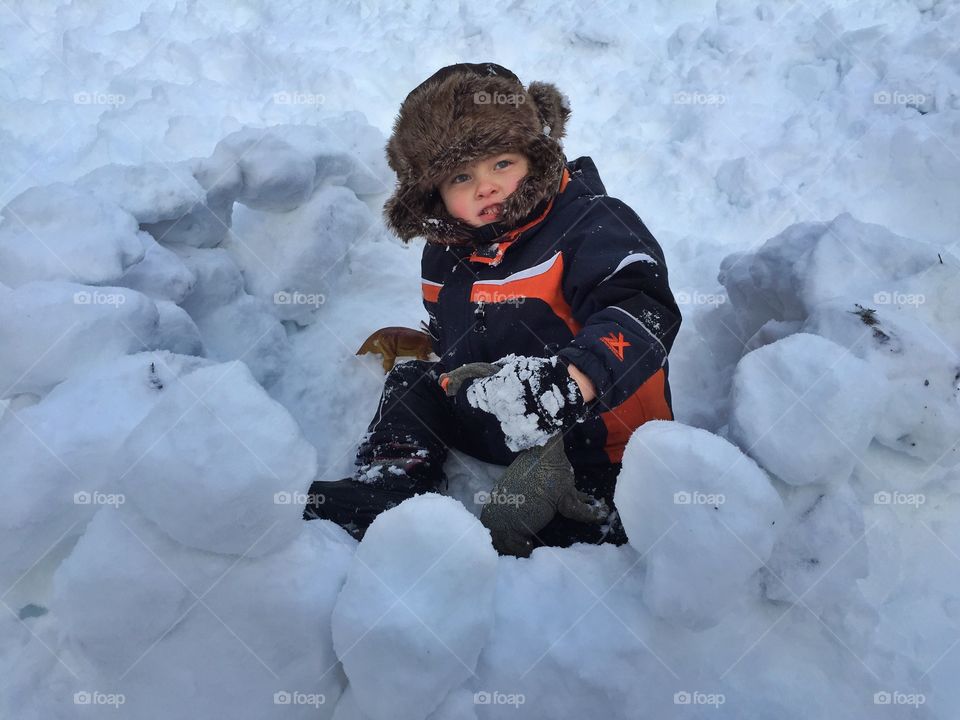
<point x="545" y="285"/>
<point x="648" y="403"/>
<point x="431" y="290"/>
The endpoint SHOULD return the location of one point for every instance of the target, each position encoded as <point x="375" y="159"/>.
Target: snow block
<point x="218" y="464"/>
<point x="703" y="515"/>
<point x="805" y="408"/>
<point x="417" y="607"/>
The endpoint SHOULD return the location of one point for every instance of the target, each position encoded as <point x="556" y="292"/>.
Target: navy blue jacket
<point x="586" y="281"/>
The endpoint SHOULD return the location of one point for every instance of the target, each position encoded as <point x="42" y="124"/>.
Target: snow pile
<point x="55" y="452"/>
<point x="410" y="622"/>
<point x="59" y="233"/>
<point x="190" y="254"/>
<point x="826" y="400"/>
<point x="866" y="290"/>
<point x="702" y="514"/>
<point x="208" y="633"/>
<point x="156" y="495"/>
<point x="216" y="462"/>
<point x="51" y="329"/>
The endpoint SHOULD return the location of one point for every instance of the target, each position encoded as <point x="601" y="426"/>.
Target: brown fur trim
<point x="456" y="119"/>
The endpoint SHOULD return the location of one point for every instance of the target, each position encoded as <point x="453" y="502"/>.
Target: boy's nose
<point x="485" y="190"/>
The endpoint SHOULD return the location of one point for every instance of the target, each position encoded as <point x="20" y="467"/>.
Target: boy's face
<point x="474" y="193"/>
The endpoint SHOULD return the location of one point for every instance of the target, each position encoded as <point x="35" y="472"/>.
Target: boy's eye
<point x="457" y="178"/>
<point x="504" y="163"/>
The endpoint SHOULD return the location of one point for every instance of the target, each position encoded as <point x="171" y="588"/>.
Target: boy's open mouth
<point x="491" y="211"/>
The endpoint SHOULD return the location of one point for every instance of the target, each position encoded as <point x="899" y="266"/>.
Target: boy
<point x="530" y="265"/>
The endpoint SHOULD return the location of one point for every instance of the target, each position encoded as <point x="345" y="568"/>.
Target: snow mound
<point x="280" y="166"/>
<point x="50" y="330"/>
<point x="151" y="192"/>
<point x="914" y="349"/>
<point x="67" y="471"/>
<point x="703" y="515"/>
<point x="805" y="408"/>
<point x="139" y="609"/>
<point x="160" y="275"/>
<point x="812" y="263"/>
<point x="819" y="555"/>
<point x="416" y="609"/>
<point x="292" y="260"/>
<point x="59" y="233"/>
<point x="233" y="325"/>
<point x="218" y="465"/>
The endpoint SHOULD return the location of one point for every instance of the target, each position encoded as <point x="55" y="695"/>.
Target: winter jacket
<point x="585" y="280"/>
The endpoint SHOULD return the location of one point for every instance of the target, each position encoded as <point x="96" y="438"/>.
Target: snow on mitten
<point x="532" y="397"/>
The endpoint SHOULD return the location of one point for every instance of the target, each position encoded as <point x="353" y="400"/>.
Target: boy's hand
<point x="532" y="397"/>
<point x="583" y="382"/>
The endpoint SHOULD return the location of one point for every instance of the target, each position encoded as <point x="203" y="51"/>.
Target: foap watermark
<point x="94" y="697"/>
<point x="298" y="498"/>
<point x="895" y="497"/>
<point x="298" y="98"/>
<point x="500" y="297"/>
<point x="498" y="498"/>
<point x="485" y="697"/>
<point x="887" y="97"/>
<point x="99" y="98"/>
<point x="687" y="97"/>
<point x="695" y="697"/>
<point x="696" y="497"/>
<point x="898" y="298"/>
<point x="286" y="697"/>
<point x="895" y="697"/>
<point x="96" y="297"/>
<point x="699" y="298"/>
<point x="298" y="298"/>
<point x="86" y="497"/>
<point x="498" y="98"/>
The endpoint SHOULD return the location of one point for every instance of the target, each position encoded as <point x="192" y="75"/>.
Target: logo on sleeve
<point x="615" y="344"/>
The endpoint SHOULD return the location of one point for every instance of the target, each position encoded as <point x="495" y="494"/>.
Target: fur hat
<point x="458" y="115"/>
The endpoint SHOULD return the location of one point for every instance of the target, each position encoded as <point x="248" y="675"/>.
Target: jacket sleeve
<point x="615" y="281"/>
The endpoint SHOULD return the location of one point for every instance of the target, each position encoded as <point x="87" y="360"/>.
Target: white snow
<point x="160" y="274"/>
<point x="293" y="260"/>
<point x="137" y="606"/>
<point x="405" y="605"/>
<point x="60" y="233"/>
<point x="805" y="408"/>
<point x="49" y="330"/>
<point x="67" y="469"/>
<point x="701" y="513"/>
<point x="169" y="168"/>
<point x="819" y="557"/>
<point x="218" y="464"/>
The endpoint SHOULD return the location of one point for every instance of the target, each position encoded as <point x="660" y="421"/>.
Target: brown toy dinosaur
<point x="394" y="342"/>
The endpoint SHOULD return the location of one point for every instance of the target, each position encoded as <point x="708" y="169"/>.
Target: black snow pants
<point x="413" y="428"/>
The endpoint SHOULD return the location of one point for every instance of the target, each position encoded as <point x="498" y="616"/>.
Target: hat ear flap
<point x="404" y="213"/>
<point x="413" y="212"/>
<point x="552" y="105"/>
